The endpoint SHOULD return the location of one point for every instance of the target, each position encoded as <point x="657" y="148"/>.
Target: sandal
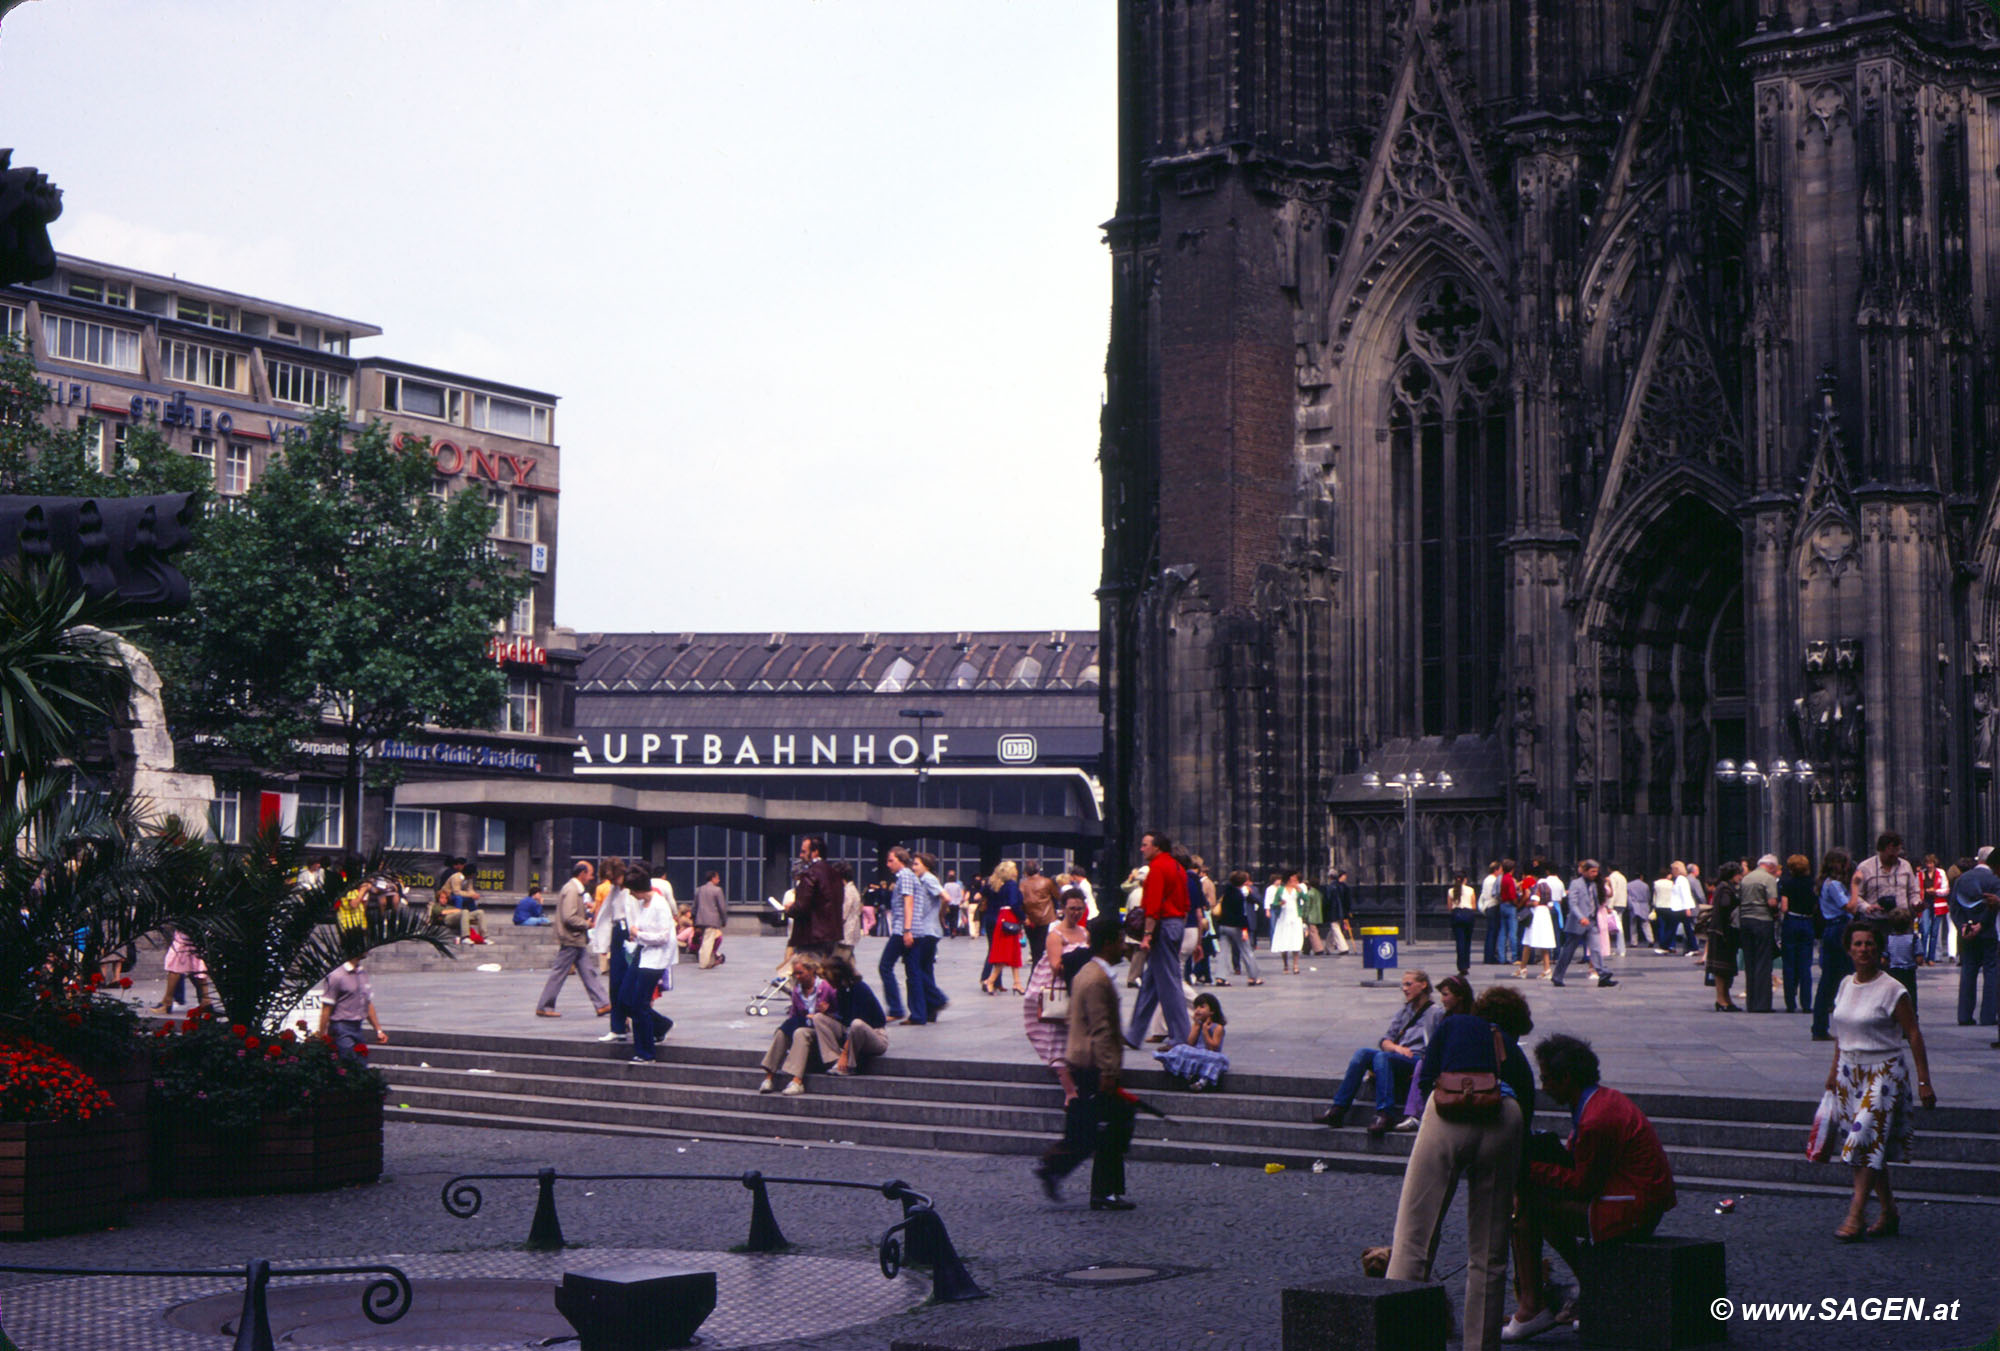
<point x="1847" y="1235"/>
<point x="1886" y="1227"/>
<point x="1256" y="982"/>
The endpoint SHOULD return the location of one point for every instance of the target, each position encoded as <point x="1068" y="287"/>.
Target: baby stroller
<point x="777" y="991"/>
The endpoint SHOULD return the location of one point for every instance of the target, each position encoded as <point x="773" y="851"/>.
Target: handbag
<point x="1824" y="1139"/>
<point x="1471" y="1096"/>
<point x="1055" y="1002"/>
<point x="1010" y="927"/>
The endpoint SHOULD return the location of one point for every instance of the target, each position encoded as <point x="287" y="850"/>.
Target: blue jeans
<point x="617" y="979"/>
<point x="1507" y="920"/>
<point x="1160" y="987"/>
<point x="1797" y="939"/>
<point x="920" y="975"/>
<point x="1833" y="966"/>
<point x="635" y="1002"/>
<point x="1978" y="957"/>
<point x="1384" y="1065"/>
<point x="893" y="951"/>
<point x="1930" y="931"/>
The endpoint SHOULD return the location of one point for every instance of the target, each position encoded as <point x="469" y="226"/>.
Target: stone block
<point x="1357" y="1313"/>
<point x="635" y="1308"/>
<point x="1651" y="1294"/>
<point x="984" y="1339"/>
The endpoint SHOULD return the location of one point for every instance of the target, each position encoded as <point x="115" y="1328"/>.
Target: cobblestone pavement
<point x="1246" y="1235"/>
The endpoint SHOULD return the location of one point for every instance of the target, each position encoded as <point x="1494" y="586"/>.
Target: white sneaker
<point x="616" y="1036"/>
<point x="795" y="1087"/>
<point x="1517" y="1331"/>
<point x="1407" y="1126"/>
<point x="766" y="1086"/>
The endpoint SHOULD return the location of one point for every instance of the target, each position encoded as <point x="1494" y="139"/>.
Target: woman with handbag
<point x="1045" y="1010"/>
<point x="1481" y="1096"/>
<point x="1003" y="952"/>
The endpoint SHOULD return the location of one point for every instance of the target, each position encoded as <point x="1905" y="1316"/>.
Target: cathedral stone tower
<point x="1564" y="394"/>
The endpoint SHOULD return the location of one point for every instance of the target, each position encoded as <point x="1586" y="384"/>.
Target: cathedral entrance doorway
<point x="1669" y="679"/>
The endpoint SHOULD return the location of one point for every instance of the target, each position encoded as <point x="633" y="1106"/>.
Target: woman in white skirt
<point x="1875" y="1036"/>
<point x="1288" y="927"/>
<point x="1540" y="933"/>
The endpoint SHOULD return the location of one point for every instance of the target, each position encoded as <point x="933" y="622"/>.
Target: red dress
<point x="1005" y="948"/>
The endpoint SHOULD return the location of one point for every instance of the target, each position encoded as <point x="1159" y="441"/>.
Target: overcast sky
<point x="819" y="282"/>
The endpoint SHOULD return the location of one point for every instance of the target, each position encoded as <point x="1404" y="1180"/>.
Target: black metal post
<point x="545" y="1233"/>
<point x="253" y="1325"/>
<point x="765" y="1236"/>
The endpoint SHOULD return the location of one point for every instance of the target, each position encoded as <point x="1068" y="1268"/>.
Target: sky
<point x="819" y="283"/>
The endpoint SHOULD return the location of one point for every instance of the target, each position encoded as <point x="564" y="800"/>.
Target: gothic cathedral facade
<point x="1565" y="395"/>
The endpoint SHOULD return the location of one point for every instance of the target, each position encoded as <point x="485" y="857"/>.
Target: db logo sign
<point x="1018" y="748"/>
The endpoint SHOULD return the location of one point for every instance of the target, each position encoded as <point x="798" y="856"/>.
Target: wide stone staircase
<point x="903" y="1103"/>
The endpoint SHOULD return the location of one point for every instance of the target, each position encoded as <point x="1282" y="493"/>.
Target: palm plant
<point x="60" y="672"/>
<point x="266" y="941"/>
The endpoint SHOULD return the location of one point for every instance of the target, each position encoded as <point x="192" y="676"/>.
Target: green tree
<point x="339" y="599"/>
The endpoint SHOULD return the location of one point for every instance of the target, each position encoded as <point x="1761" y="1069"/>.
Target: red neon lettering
<point x="439" y="451"/>
<point x="524" y="468"/>
<point x="480" y="462"/>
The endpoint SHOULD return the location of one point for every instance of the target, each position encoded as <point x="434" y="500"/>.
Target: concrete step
<point x="711" y="1092"/>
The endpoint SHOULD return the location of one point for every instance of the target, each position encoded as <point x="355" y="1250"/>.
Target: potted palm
<point x="253" y="1099"/>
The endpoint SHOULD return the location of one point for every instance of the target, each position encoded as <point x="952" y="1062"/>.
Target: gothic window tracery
<point x="1448" y="436"/>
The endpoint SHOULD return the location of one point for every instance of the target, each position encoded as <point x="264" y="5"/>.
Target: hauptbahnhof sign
<point x="808" y="748"/>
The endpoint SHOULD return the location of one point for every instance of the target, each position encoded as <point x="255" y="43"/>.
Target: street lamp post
<point x="1406" y="786"/>
<point x="1753" y="776"/>
<point x="922" y="716"/>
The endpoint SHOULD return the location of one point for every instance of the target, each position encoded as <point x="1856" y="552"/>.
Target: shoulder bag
<point x="1471" y="1096"/>
<point x="1055" y="1001"/>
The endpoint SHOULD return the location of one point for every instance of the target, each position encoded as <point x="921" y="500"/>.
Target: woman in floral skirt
<point x="1050" y="1036"/>
<point x="1875" y="1037"/>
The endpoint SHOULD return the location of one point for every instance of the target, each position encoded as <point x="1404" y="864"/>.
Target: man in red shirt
<point x="1165" y="901"/>
<point x="1612" y="1181"/>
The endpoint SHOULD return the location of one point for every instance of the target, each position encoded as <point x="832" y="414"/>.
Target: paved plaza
<point x="1654" y="1029"/>
<point x="1230" y="1239"/>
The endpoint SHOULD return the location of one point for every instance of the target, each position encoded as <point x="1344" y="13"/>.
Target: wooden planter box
<point x="128" y="1082"/>
<point x="336" y="1144"/>
<point x="56" y="1179"/>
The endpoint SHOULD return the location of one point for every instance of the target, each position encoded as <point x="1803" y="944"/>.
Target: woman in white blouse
<point x="650" y="954"/>
<point x="1875" y="1037"/>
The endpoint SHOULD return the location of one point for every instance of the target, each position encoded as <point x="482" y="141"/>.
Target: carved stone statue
<point x="144" y="751"/>
<point x="121" y="546"/>
<point x="29" y="204"/>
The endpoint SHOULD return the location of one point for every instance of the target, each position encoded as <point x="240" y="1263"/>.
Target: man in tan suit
<point x="1099" y="1120"/>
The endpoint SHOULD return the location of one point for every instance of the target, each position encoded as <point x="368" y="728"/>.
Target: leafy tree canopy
<point x="339" y="599"/>
<point x="37" y="460"/>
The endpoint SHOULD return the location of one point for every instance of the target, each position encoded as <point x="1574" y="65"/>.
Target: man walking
<point x="1757" y="923"/>
<point x="349" y="999"/>
<point x="1611" y="918"/>
<point x="901" y="946"/>
<point x="1098" y="1120"/>
<point x="1165" y="901"/>
<point x="1586" y="894"/>
<point x="572" y="952"/>
<point x="1339" y="910"/>
<point x="711" y="915"/>
<point x="1639" y="913"/>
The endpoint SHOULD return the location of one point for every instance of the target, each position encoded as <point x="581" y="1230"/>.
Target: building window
<point x="496" y="498"/>
<point x="14" y="321"/>
<point x="510" y="417"/>
<point x="203" y="448"/>
<point x="236" y="470"/>
<point x="421" y="399"/>
<point x="102" y="291"/>
<point x="596" y="840"/>
<point x="524" y="705"/>
<point x="306" y="385"/>
<point x="413" y="830"/>
<point x="194" y="363"/>
<point x="524" y="516"/>
<point x="440" y="488"/>
<point x="202" y="312"/>
<point x="896" y="678"/>
<point x="492" y="835"/>
<point x="93" y="344"/>
<point x="523" y="618"/>
<point x="1027" y="673"/>
<point x="225" y="817"/>
<point x="321" y="807"/>
<point x="1448" y="443"/>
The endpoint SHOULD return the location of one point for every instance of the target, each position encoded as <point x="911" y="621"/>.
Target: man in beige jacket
<point x="1098" y="1121"/>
